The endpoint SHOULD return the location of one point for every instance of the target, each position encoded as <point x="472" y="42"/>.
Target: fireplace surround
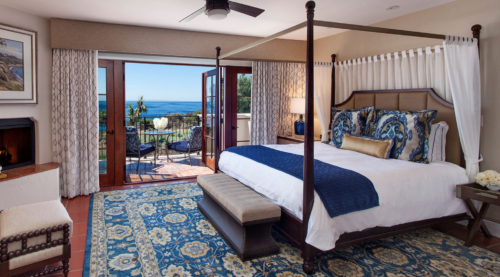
<point x="17" y="142"/>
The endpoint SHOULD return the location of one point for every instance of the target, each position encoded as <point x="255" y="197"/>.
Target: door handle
<point x="112" y="132"/>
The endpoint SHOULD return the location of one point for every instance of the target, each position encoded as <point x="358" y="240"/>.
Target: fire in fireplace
<point x="17" y="142"/>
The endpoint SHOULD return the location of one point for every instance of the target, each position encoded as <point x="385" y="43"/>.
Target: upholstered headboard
<point x="413" y="100"/>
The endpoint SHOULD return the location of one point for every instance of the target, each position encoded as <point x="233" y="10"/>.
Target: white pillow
<point x="437" y="142"/>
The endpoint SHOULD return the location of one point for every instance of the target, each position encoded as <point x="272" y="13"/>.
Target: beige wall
<point x="42" y="111"/>
<point x="73" y="34"/>
<point x="455" y="18"/>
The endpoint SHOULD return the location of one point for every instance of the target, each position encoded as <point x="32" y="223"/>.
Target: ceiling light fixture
<point x="392" y="8"/>
<point x="217" y="10"/>
<point x="217" y="14"/>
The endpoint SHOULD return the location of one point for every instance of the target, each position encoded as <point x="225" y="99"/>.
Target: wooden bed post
<point x="308" y="193"/>
<point x="332" y="102"/>
<point x="217" y="112"/>
<point x="476" y="33"/>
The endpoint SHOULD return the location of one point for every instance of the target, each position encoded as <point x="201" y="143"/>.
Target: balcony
<point x="164" y="169"/>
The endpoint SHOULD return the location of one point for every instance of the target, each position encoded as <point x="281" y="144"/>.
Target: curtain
<point x="323" y="95"/>
<point x="462" y="67"/>
<point x="404" y="70"/>
<point x="75" y="124"/>
<point x="273" y="84"/>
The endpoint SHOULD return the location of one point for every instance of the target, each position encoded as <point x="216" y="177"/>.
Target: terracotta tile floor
<point x="165" y="169"/>
<point x="78" y="210"/>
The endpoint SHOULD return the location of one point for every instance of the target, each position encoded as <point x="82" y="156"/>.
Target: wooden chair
<point x="34" y="236"/>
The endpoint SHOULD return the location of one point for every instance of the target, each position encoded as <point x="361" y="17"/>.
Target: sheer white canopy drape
<point x="323" y="95"/>
<point x="405" y="70"/>
<point x="462" y="67"/>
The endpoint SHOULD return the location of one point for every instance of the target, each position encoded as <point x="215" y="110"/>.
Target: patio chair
<point x="193" y="144"/>
<point x="134" y="148"/>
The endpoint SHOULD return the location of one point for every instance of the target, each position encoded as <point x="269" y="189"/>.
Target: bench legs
<point x="248" y="241"/>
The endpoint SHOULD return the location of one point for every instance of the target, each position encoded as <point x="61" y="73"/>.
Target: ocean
<point x="19" y="71"/>
<point x="159" y="108"/>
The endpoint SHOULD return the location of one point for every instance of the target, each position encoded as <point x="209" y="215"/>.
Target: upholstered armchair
<point x="33" y="237"/>
<point x="193" y="144"/>
<point x="134" y="147"/>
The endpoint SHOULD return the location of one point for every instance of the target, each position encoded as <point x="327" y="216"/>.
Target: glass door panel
<point x="208" y="118"/>
<point x="243" y="108"/>
<point x="106" y="123"/>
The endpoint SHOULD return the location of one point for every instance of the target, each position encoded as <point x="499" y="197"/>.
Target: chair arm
<point x="4" y="242"/>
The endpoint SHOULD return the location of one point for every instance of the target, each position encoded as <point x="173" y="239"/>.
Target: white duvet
<point x="407" y="191"/>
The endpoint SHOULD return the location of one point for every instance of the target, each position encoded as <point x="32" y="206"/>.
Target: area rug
<point x="158" y="231"/>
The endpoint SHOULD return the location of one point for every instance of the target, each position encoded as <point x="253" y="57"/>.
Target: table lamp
<point x="298" y="106"/>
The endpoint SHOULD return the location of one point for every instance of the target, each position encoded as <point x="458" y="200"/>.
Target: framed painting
<point x="18" y="65"/>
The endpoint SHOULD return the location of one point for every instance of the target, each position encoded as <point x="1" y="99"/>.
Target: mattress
<point x="407" y="191"/>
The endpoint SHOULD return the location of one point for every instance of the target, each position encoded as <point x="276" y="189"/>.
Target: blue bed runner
<point x="342" y="191"/>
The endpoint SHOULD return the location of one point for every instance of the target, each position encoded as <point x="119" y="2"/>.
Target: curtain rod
<point x="336" y="25"/>
<point x="399" y="53"/>
<point x="354" y="27"/>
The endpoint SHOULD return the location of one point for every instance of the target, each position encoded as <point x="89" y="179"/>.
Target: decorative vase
<point x="160" y="130"/>
<point x="493" y="187"/>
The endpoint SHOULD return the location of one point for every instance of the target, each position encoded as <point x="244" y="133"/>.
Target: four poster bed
<point x="411" y="195"/>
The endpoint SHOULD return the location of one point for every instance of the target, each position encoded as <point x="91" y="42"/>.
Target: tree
<point x="244" y="93"/>
<point x="134" y="113"/>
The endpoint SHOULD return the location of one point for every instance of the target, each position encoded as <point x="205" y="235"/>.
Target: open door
<point x="208" y="118"/>
<point x="106" y="123"/>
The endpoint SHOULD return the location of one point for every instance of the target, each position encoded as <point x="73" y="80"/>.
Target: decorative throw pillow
<point x="410" y="132"/>
<point x="437" y="142"/>
<point x="350" y="122"/>
<point x="379" y="148"/>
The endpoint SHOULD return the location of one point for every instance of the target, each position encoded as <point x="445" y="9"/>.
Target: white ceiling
<point x="279" y="14"/>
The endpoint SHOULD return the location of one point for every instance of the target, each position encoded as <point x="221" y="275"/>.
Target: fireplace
<point x="17" y="142"/>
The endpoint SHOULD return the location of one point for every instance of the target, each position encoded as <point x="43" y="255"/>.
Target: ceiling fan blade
<point x="193" y="15"/>
<point x="245" y="9"/>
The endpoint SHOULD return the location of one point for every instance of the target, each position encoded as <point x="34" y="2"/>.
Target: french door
<point x="111" y="124"/>
<point x="208" y="118"/>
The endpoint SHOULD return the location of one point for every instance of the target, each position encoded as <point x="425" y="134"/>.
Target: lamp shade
<point x="298" y="105"/>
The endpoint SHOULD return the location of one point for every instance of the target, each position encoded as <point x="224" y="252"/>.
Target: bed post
<point x="217" y="112"/>
<point x="476" y="33"/>
<point x="308" y="190"/>
<point x="332" y="102"/>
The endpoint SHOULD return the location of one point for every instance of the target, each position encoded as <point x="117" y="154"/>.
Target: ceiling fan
<point x="218" y="9"/>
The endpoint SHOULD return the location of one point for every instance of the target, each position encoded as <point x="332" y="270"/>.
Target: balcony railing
<point x="179" y="124"/>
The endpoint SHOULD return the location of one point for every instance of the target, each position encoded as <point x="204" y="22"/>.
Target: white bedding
<point x="407" y="191"/>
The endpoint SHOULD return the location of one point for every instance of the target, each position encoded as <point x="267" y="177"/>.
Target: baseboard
<point x="492" y="225"/>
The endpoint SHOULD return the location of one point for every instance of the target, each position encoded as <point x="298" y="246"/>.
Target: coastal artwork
<point x="18" y="65"/>
<point x="11" y="65"/>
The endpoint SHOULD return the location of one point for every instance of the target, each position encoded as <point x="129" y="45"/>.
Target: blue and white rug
<point x="158" y="231"/>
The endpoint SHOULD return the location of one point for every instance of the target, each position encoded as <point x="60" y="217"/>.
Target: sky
<point x="160" y="82"/>
<point x="14" y="48"/>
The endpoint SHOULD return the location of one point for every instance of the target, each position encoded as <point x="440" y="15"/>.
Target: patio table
<point x="164" y="133"/>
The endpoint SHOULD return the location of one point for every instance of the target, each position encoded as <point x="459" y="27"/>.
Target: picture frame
<point x="18" y="65"/>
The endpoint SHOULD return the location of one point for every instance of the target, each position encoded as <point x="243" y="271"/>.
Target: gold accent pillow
<point x="379" y="148"/>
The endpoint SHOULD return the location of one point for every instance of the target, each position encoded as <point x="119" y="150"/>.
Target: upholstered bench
<point x="34" y="236"/>
<point x="241" y="216"/>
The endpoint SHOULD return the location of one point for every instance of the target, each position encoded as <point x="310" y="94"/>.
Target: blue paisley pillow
<point x="409" y="130"/>
<point x="351" y="122"/>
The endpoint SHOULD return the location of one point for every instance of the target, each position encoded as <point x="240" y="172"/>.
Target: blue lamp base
<point x="300" y="127"/>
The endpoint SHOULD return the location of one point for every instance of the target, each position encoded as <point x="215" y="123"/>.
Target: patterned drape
<point x="75" y="123"/>
<point x="273" y="85"/>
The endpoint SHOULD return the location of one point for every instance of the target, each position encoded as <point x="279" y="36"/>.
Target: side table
<point x="488" y="197"/>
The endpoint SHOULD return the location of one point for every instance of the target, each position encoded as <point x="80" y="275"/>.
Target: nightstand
<point x="477" y="192"/>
